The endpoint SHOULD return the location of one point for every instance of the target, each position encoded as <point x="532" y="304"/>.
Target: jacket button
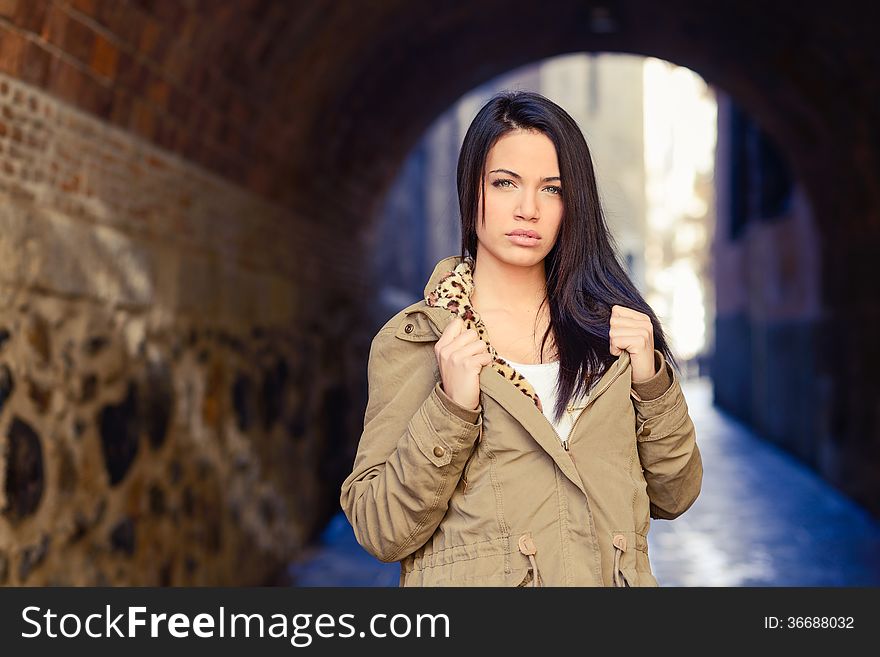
<point x="439" y="451"/>
<point x="408" y="328"/>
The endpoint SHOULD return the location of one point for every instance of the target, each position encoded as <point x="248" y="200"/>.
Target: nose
<point x="528" y="207"/>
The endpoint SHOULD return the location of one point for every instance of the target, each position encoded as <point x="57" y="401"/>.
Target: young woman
<point x="524" y="421"/>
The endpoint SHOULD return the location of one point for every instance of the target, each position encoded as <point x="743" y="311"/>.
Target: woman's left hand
<point x="632" y="331"/>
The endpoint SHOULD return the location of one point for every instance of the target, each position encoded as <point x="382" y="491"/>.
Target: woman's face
<point x="523" y="193"/>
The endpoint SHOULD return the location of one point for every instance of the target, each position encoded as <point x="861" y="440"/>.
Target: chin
<point x="512" y="255"/>
<point x="524" y="257"/>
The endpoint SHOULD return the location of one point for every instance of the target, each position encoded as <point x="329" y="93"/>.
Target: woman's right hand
<point x="461" y="356"/>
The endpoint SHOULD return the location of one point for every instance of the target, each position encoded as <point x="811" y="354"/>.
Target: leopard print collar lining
<point x="453" y="292"/>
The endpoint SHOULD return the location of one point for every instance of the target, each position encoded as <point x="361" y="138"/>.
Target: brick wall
<point x="172" y="362"/>
<point x="172" y="73"/>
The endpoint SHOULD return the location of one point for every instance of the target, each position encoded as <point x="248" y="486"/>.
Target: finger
<point x="634" y="348"/>
<point x="454" y="344"/>
<point x="452" y="330"/>
<point x="472" y="349"/>
<point x="465" y="353"/>
<point x="633" y="338"/>
<point x="623" y="311"/>
<point x="628" y="331"/>
<point x="455" y="326"/>
<point x="628" y="314"/>
<point x="464" y="338"/>
<point x="622" y="320"/>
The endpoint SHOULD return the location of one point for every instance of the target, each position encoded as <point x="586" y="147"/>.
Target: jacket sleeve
<point x="666" y="440"/>
<point x="412" y="451"/>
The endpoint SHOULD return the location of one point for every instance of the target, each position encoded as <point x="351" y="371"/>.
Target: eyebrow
<point x="519" y="177"/>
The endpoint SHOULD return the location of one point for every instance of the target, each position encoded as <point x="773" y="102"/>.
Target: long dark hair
<point x="583" y="271"/>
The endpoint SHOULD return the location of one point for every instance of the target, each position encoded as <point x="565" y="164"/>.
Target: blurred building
<point x="680" y="139"/>
<point x="766" y="254"/>
<point x="650" y="127"/>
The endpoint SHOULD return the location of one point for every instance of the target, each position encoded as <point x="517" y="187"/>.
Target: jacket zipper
<point x="592" y="398"/>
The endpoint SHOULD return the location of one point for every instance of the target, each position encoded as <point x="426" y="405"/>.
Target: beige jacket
<point x="492" y="497"/>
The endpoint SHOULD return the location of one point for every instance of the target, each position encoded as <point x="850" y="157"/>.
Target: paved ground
<point x="762" y="519"/>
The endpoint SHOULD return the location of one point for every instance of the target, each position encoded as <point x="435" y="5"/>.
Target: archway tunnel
<point x="190" y="196"/>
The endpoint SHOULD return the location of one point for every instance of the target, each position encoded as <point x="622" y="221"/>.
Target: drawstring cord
<point x="527" y="547"/>
<point x="619" y="542"/>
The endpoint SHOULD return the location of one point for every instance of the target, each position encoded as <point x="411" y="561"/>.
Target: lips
<point x="525" y="233"/>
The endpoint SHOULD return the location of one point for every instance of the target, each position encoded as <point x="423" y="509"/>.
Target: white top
<point x="543" y="378"/>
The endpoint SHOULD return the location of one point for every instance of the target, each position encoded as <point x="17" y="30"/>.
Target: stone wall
<point x="173" y="361"/>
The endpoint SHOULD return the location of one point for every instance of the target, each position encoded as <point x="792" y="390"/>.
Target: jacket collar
<point x="441" y="269"/>
<point x="452" y="290"/>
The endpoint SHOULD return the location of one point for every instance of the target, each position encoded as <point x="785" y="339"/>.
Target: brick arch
<point x="809" y="97"/>
<point x="324" y="99"/>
